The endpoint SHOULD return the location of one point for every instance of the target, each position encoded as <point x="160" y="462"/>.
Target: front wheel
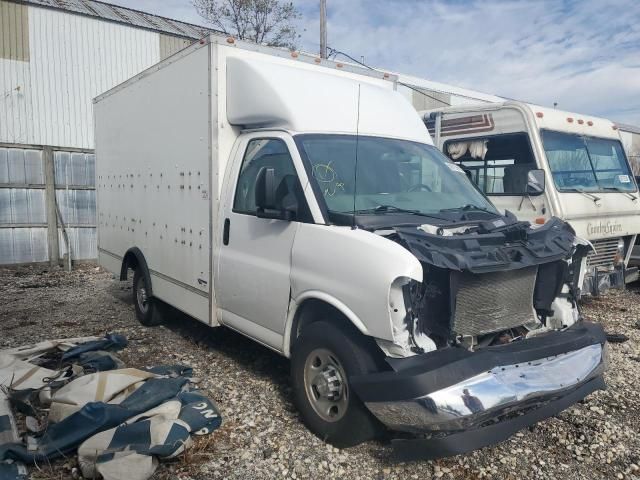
<point x="322" y="361"/>
<point x="144" y="303"/>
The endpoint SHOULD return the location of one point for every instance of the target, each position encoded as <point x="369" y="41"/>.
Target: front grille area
<point x="491" y="302"/>
<point x="604" y="254"/>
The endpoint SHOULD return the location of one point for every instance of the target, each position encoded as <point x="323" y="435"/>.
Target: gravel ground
<point x="262" y="436"/>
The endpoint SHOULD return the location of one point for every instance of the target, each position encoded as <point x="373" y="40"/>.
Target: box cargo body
<point x="164" y="140"/>
<point x="157" y="178"/>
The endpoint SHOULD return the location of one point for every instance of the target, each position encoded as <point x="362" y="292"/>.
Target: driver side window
<point x="270" y="153"/>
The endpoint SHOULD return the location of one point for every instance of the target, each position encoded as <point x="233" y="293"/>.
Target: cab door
<point x="254" y="262"/>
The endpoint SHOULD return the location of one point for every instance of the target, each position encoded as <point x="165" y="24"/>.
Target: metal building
<point x="427" y="94"/>
<point x="55" y="57"/>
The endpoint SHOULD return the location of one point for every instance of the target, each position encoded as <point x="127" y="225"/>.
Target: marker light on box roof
<point x="570" y="119"/>
<point x="580" y="121"/>
<point x="539" y="114"/>
<point x="590" y="123"/>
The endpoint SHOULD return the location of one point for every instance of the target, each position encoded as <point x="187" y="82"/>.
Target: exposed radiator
<point x="490" y="302"/>
<point x="604" y="255"/>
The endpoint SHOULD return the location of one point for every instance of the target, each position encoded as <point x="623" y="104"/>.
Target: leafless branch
<point x="270" y="22"/>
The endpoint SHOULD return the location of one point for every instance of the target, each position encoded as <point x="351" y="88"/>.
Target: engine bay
<point x="487" y="283"/>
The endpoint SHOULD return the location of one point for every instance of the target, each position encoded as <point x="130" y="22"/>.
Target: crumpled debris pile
<point x="75" y="395"/>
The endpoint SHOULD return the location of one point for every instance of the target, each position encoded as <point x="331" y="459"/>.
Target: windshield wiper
<point x="590" y="196"/>
<point x="628" y="194"/>
<point x="393" y="208"/>
<point x="466" y="208"/>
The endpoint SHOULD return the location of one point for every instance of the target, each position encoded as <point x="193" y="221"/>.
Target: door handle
<point x="225" y="231"/>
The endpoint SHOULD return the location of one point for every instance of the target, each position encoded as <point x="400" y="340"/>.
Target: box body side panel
<point x="154" y="165"/>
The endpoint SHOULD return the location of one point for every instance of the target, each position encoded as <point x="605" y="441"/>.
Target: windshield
<point x="586" y="163"/>
<point x="392" y="176"/>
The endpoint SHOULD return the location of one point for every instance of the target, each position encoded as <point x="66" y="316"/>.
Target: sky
<point x="582" y="54"/>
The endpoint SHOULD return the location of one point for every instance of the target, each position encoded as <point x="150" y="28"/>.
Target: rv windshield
<point x="393" y="176"/>
<point x="587" y="163"/>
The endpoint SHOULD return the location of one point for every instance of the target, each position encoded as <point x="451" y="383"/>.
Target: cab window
<point x="270" y="153"/>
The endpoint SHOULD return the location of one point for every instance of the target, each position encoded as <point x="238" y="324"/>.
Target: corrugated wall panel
<point x="170" y="45"/>
<point x="23" y="245"/>
<point x="23" y="233"/>
<point x="77" y="207"/>
<point x="22" y="206"/>
<point x="429" y="99"/>
<point x="47" y="100"/>
<point x="14" y="31"/>
<point x="74" y="168"/>
<point x="21" y="166"/>
<point x="83" y="243"/>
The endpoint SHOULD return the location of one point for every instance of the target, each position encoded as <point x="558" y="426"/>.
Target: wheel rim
<point x="141" y="295"/>
<point x="325" y="385"/>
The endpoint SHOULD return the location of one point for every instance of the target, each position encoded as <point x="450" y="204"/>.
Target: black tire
<point x="356" y="424"/>
<point x="146" y="310"/>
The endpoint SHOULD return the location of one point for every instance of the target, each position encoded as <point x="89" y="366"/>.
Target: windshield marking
<point x="327" y="178"/>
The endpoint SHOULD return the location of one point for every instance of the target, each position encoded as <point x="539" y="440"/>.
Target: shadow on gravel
<point x="121" y="291"/>
<point x="246" y="353"/>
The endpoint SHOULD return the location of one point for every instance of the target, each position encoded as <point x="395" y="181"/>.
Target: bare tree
<point x="268" y="22"/>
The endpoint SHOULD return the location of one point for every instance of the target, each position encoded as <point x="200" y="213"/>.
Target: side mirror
<point x="535" y="182"/>
<point x="266" y="196"/>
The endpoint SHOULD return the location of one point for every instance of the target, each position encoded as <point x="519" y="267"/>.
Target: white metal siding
<point x="72" y="59"/>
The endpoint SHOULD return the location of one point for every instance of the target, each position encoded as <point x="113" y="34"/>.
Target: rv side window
<point x="498" y="165"/>
<point x="271" y="153"/>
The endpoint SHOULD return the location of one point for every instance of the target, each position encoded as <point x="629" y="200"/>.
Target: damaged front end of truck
<point x="491" y="341"/>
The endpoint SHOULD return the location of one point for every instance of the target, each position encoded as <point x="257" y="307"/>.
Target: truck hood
<point x="490" y="248"/>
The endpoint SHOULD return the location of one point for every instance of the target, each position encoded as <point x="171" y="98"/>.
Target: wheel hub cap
<point x="329" y="383"/>
<point x="141" y="295"/>
<point x="325" y="385"/>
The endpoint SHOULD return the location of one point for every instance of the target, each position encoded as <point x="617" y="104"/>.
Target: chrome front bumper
<point x="453" y="400"/>
<point x="503" y="389"/>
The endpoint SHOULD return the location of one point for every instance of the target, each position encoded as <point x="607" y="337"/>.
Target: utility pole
<point x="323" y="28"/>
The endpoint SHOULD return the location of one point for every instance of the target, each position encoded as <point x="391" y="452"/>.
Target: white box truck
<point x="301" y="203"/>
<point x="583" y="175"/>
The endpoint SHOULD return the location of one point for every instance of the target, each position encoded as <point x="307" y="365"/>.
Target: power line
<point x="333" y="53"/>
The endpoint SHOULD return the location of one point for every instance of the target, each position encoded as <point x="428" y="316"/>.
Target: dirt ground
<point x="262" y="436"/>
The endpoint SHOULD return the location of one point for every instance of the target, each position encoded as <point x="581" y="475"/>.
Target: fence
<point x="39" y="186"/>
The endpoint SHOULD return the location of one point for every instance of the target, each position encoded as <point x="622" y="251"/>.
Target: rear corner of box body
<point x="154" y="177"/>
